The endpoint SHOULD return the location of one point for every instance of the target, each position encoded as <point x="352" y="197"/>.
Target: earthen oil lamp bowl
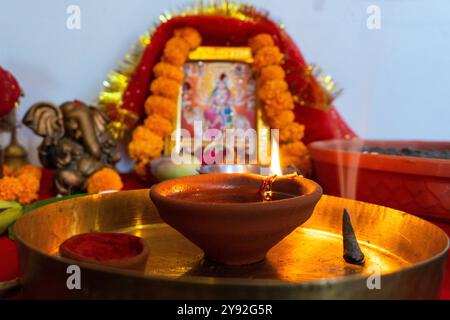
<point x="115" y="250"/>
<point x="225" y="216"/>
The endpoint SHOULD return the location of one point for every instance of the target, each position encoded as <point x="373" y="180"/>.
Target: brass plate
<point x="308" y="264"/>
<point x="174" y="256"/>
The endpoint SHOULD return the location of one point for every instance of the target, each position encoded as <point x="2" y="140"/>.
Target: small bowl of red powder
<point x="118" y="250"/>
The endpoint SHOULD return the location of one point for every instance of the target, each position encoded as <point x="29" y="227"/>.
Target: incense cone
<point x="352" y="251"/>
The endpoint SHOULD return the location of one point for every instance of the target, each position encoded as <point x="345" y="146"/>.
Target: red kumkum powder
<point x="103" y="246"/>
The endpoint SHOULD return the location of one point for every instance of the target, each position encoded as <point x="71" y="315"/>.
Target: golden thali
<point x="407" y="253"/>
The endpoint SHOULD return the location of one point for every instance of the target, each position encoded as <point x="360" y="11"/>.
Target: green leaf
<point x="39" y="204"/>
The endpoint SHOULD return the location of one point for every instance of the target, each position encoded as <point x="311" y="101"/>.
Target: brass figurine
<point x="15" y="154"/>
<point x="76" y="142"/>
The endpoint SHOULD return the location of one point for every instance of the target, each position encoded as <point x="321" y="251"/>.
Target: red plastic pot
<point x="415" y="185"/>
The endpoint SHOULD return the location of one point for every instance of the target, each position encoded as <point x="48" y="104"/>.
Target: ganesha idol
<point x="76" y="142"/>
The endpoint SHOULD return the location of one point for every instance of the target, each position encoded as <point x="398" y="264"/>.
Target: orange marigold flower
<point x="140" y="149"/>
<point x="175" y="57"/>
<point x="159" y="125"/>
<point x="145" y="144"/>
<point x="165" y="87"/>
<point x="177" y="44"/>
<point x="267" y="56"/>
<point x="273" y="72"/>
<point x="30" y="188"/>
<point x="29" y="169"/>
<point x="7" y="171"/>
<point x="296" y="153"/>
<point x="282" y="101"/>
<point x="169" y="71"/>
<point x="27" y="197"/>
<point x="29" y="182"/>
<point x="162" y="106"/>
<point x="103" y="180"/>
<point x="190" y="35"/>
<point x="292" y="132"/>
<point x="141" y="168"/>
<point x="10" y="188"/>
<point x="272" y="89"/>
<point x="260" y="41"/>
<point x="142" y="133"/>
<point x="282" y="119"/>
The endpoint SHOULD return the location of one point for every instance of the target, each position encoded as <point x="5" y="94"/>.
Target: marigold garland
<point x="177" y="44"/>
<point x="260" y="41"/>
<point x="273" y="72"/>
<point x="161" y="106"/>
<point x="292" y="132"/>
<point x="282" y="101"/>
<point x="21" y="185"/>
<point x="159" y="125"/>
<point x="272" y="89"/>
<point x="296" y="153"/>
<point x="141" y="168"/>
<point x="169" y="71"/>
<point x="103" y="180"/>
<point x="278" y="102"/>
<point x="145" y="144"/>
<point x="281" y="119"/>
<point x="267" y="56"/>
<point x="190" y="35"/>
<point x="165" y="87"/>
<point x="164" y="107"/>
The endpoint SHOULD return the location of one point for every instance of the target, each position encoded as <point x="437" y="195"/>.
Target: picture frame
<point x="219" y="89"/>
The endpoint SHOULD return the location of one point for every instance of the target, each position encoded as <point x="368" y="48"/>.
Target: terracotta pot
<point x="416" y="185"/>
<point x="231" y="232"/>
<point x="134" y="249"/>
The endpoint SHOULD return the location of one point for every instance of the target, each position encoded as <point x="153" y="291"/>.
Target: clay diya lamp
<point x="227" y="217"/>
<point x="117" y="250"/>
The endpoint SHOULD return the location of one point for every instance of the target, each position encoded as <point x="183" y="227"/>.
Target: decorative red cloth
<point x="319" y="125"/>
<point x="9" y="92"/>
<point x="8" y="254"/>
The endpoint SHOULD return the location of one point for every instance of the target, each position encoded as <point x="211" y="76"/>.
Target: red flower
<point x="9" y="92"/>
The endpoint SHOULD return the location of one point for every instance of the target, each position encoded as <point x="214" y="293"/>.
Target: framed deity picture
<point x="219" y="94"/>
<point x="219" y="91"/>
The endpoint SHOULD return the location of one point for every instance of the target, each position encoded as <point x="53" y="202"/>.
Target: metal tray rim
<point x="204" y="280"/>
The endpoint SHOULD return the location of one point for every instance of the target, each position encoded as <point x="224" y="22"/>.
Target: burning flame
<point x="275" y="167"/>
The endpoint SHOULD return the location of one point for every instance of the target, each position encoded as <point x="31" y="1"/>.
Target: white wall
<point x="396" y="79"/>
